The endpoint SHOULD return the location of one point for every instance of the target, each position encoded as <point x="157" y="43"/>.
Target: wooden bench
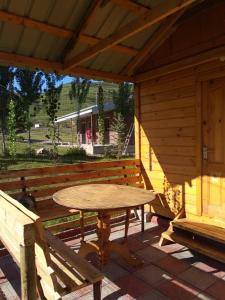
<point x="47" y="265"/>
<point x="41" y="183"/>
<point x="198" y="233"/>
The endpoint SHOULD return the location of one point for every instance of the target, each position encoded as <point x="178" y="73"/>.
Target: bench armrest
<point x="88" y="271"/>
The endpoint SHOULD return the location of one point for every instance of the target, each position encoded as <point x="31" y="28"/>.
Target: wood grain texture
<point x="155" y="15"/>
<point x="42" y="183"/>
<point x="102" y="197"/>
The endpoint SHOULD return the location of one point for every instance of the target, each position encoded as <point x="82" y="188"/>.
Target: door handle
<point x="205" y="152"/>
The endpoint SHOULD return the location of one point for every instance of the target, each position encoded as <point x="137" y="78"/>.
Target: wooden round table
<point x="104" y="199"/>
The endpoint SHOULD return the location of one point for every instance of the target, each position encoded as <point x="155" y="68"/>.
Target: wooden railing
<point x="42" y="183"/>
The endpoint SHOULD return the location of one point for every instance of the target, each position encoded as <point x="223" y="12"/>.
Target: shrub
<point x="3" y="165"/>
<point x="29" y="152"/>
<point x="109" y="152"/>
<point x="20" y="138"/>
<point x="76" y="153"/>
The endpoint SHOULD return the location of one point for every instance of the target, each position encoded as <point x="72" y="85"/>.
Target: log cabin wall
<point x="169" y="114"/>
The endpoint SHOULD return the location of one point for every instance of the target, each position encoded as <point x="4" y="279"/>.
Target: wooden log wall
<point x="167" y="137"/>
<point x="168" y="110"/>
<point x="196" y="33"/>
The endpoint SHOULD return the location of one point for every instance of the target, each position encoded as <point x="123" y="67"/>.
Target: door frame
<point x="199" y="146"/>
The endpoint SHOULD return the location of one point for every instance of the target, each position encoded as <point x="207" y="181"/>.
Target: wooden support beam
<point x="155" y="15"/>
<point x="28" y="273"/>
<point x="101" y="75"/>
<point x="87" y="39"/>
<point x="30" y="62"/>
<point x="155" y="41"/>
<point x="95" y="4"/>
<point x="182" y="64"/>
<point x="27" y="22"/>
<point x="133" y="7"/>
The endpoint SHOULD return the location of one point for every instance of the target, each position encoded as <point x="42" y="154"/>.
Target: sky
<point x="67" y="79"/>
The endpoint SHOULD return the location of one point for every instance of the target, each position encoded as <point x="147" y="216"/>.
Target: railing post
<point x="28" y="272"/>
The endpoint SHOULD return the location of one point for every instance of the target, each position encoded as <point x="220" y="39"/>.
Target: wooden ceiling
<point x="102" y="39"/>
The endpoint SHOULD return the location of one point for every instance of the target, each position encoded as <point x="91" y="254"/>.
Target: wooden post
<point x="92" y="129"/>
<point x="72" y="131"/>
<point x="142" y="218"/>
<point x="97" y="290"/>
<point x="28" y="273"/>
<point x="127" y="221"/>
<point x="82" y="225"/>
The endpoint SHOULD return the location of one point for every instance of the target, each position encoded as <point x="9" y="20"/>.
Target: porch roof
<point x="93" y="38"/>
<point x="85" y="112"/>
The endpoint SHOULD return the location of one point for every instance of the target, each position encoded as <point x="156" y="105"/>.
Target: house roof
<point x="85" y="112"/>
<point x="103" y="39"/>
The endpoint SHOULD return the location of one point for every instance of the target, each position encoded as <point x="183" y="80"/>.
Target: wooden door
<point x="213" y="188"/>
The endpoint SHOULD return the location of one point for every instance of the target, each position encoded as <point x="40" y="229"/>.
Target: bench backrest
<point x="16" y="225"/>
<point x="42" y="183"/>
<point x="17" y="232"/>
<point x="20" y="227"/>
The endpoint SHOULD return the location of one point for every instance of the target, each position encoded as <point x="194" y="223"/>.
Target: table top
<point x="102" y="197"/>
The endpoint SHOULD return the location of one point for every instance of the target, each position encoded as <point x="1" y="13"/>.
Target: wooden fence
<point x="42" y="183"/>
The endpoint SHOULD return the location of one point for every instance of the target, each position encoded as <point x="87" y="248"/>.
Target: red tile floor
<point x="169" y="272"/>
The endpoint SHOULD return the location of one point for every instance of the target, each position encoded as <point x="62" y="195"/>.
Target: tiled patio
<point x="169" y="272"/>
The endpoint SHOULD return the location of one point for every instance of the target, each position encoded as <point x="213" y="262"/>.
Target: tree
<point x="124" y="100"/>
<point x="124" y="113"/>
<point x="52" y="105"/>
<point x="101" y="120"/>
<point x="11" y="126"/>
<point x="29" y="90"/>
<point x="119" y="126"/>
<point x="78" y="92"/>
<point x="6" y="78"/>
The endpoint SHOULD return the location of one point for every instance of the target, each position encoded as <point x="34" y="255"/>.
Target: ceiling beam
<point x="27" y="22"/>
<point x="182" y="64"/>
<point x="154" y="42"/>
<point x="155" y="15"/>
<point x="29" y="62"/>
<point x="100" y="75"/>
<point x="133" y="7"/>
<point x="90" y="40"/>
<point x="36" y="63"/>
<point x="95" y="4"/>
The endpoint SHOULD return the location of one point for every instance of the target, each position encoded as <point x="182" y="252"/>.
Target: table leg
<point x="101" y="246"/>
<point x="103" y="233"/>
<point x="127" y="221"/>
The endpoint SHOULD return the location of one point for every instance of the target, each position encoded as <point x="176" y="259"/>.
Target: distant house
<point x="89" y="134"/>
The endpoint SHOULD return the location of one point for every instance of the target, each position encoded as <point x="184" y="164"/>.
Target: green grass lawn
<point x="38" y="135"/>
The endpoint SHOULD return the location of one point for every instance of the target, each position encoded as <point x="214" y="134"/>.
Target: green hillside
<point x="67" y="106"/>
